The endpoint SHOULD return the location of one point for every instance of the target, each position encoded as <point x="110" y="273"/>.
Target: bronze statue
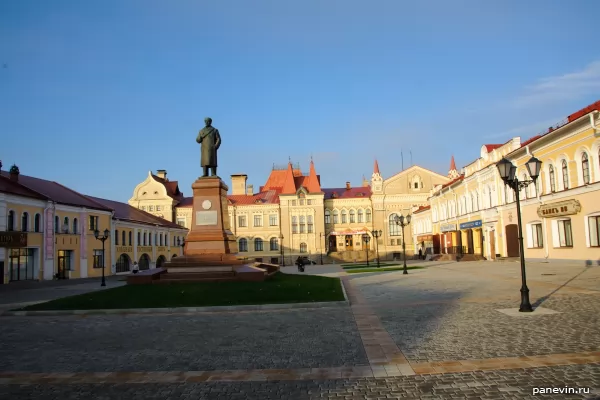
<point x="210" y="141"/>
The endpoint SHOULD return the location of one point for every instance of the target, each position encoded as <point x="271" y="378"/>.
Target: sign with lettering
<point x="470" y="224"/>
<point x="124" y="249"/>
<point x="447" y="227"/>
<point x="558" y="209"/>
<point x="206" y="217"/>
<point x="13" y="239"/>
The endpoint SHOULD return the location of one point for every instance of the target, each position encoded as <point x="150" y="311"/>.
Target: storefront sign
<point x="470" y="224"/>
<point x="13" y="239"/>
<point x="425" y="238"/>
<point x="560" y="208"/>
<point x="447" y="227"/>
<point x="124" y="249"/>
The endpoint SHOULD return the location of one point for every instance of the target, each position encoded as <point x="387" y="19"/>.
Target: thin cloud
<point x="571" y="86"/>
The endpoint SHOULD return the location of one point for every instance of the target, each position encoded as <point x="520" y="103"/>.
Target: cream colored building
<point x="291" y="215"/>
<point x="476" y="214"/>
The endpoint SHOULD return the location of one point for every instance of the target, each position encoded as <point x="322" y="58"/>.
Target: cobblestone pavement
<point x="284" y="339"/>
<point x="506" y="384"/>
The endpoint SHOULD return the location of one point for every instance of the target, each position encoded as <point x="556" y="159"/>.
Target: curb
<point x="259" y="307"/>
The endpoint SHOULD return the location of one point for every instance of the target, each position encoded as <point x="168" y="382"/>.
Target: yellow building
<point x="291" y="215"/>
<point x="47" y="232"/>
<point x="475" y="213"/>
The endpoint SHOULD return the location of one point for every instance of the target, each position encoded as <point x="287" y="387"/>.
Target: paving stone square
<point x="255" y="340"/>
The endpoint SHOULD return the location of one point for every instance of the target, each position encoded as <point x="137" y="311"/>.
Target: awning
<point x="349" y="232"/>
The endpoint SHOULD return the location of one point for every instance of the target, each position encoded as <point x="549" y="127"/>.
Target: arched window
<point x="303" y="248"/>
<point x="368" y="215"/>
<point x="360" y="216"/>
<point x="335" y="217"/>
<point x="243" y="244"/>
<point x="393" y="227"/>
<point x="552" y="178"/>
<point x="352" y="217"/>
<point x="10" y="224"/>
<point x="56" y="224"/>
<point x="344" y="217"/>
<point x="131" y="238"/>
<point x="75" y="229"/>
<point x="258" y="244"/>
<point x="585" y="168"/>
<point x="37" y="223"/>
<point x="25" y="222"/>
<point x="123" y="238"/>
<point x="327" y="217"/>
<point x="273" y="244"/>
<point x="65" y="227"/>
<point x="565" y="175"/>
<point x="116" y="237"/>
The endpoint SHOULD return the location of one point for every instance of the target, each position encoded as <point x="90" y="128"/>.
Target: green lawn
<point x="359" y="270"/>
<point x="364" y="265"/>
<point x="281" y="288"/>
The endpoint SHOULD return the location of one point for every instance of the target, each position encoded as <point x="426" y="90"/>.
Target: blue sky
<point x="94" y="94"/>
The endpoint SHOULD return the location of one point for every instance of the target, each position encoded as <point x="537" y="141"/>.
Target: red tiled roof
<point x="266" y="197"/>
<point x="57" y="192"/>
<point x="9" y="186"/>
<point x="421" y="209"/>
<point x="126" y="212"/>
<point x="172" y="187"/>
<point x="343" y="193"/>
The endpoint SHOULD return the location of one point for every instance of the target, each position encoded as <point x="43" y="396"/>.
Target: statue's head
<point x="208" y="121"/>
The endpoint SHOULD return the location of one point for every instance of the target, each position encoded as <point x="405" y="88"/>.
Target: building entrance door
<point x="492" y="238"/>
<point x="512" y="240"/>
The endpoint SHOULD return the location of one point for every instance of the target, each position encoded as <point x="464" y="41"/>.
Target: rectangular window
<point x="273" y="220"/>
<point x="98" y="259"/>
<point x="565" y="237"/>
<point x="93" y="223"/>
<point x="181" y="221"/>
<point x="242" y="221"/>
<point x="537" y="240"/>
<point x="258" y="220"/>
<point x="594" y="225"/>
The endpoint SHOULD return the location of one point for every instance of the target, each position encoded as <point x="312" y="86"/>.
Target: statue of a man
<point x="210" y="141"/>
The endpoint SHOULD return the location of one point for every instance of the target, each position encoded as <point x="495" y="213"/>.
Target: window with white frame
<point x="594" y="229"/>
<point x="258" y="220"/>
<point x="537" y="238"/>
<point x="273" y="220"/>
<point x="565" y="235"/>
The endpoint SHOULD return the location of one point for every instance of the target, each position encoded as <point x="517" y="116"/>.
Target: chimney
<point x="162" y="173"/>
<point x="250" y="190"/>
<point x="14" y="173"/>
<point x="347" y="185"/>
<point x="238" y="184"/>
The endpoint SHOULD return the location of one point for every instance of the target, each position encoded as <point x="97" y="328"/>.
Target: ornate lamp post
<point x="102" y="239"/>
<point x="366" y="238"/>
<point x="281" y="248"/>
<point x="403" y="221"/>
<point x="321" y="237"/>
<point x="508" y="174"/>
<point x="377" y="235"/>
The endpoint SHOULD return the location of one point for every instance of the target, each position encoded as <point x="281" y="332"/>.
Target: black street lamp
<point x="102" y="239"/>
<point x="281" y="248"/>
<point x="321" y="236"/>
<point x="508" y="173"/>
<point x="366" y="238"/>
<point x="403" y="221"/>
<point x="181" y="242"/>
<point x="377" y="235"/>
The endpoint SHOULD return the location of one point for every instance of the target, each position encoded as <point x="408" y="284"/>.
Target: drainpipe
<point x="596" y="130"/>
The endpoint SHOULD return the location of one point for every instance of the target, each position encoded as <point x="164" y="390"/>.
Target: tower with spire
<point x="453" y="172"/>
<point x="376" y="179"/>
